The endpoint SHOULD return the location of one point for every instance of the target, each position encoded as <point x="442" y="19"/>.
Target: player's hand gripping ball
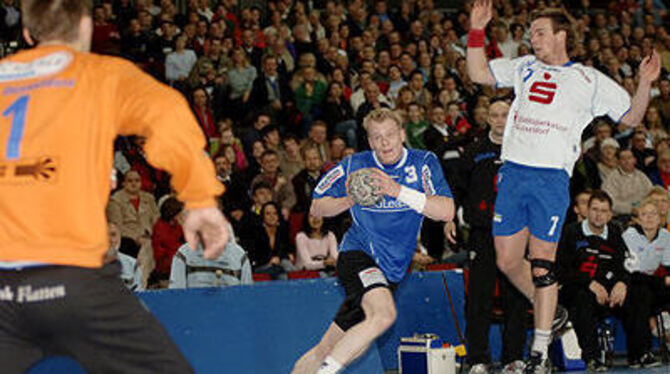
<point x="361" y="189"/>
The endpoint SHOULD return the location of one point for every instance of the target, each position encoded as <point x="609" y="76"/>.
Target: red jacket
<point x="166" y="240"/>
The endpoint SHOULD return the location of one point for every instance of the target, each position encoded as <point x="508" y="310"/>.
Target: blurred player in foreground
<point x="378" y="248"/>
<point x="555" y="100"/>
<point x="61" y="109"/>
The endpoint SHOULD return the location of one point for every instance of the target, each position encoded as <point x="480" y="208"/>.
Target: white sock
<point x="541" y="341"/>
<point x="330" y="366"/>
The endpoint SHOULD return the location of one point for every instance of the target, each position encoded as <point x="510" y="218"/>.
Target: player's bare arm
<point x="330" y="206"/>
<point x="478" y="69"/>
<point x="650" y="69"/>
<point x="438" y="208"/>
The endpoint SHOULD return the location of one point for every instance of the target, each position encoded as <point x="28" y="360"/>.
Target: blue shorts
<point x="537" y="198"/>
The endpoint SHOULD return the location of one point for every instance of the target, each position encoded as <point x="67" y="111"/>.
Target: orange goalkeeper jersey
<point x="60" y="111"/>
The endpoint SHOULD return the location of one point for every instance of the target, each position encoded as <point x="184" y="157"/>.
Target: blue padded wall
<point x="264" y="328"/>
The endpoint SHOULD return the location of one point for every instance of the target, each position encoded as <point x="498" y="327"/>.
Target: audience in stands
<point x="316" y="247"/>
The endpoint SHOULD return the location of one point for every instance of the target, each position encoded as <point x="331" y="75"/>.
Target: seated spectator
<point x="309" y="96"/>
<point x="415" y="127"/>
<point x="204" y="114"/>
<point x="236" y="190"/>
<point x="626" y="185"/>
<point x="191" y="270"/>
<point x="594" y="280"/>
<point x="316" y="248"/>
<point x="131" y="274"/>
<point x="270" y="252"/>
<point x="179" y="63"/>
<point x="655" y="125"/>
<point x="456" y="120"/>
<point x="660" y="175"/>
<point x="421" y="94"/>
<point x="167" y="237"/>
<point x="228" y="139"/>
<point x="581" y="205"/>
<point x="241" y="77"/>
<point x="662" y="199"/>
<point x="643" y="152"/>
<point x="396" y="82"/>
<point x="591" y="146"/>
<point x="649" y="247"/>
<point x="337" y="146"/>
<point x="253" y="134"/>
<point x="282" y="190"/>
<point x="132" y="210"/>
<point x="318" y="137"/>
<point x="338" y="114"/>
<point x="608" y="161"/>
<point x="290" y="158"/>
<point x="271" y="91"/>
<point x="306" y="180"/>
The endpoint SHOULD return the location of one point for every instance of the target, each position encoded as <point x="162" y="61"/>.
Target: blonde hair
<point x="380" y="115"/>
<point x="647" y="201"/>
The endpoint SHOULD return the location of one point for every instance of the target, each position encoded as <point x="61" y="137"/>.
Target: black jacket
<point x="259" y="92"/>
<point x="583" y="258"/>
<point x="477" y="182"/>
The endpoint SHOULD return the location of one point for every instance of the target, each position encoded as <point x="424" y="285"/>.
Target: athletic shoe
<point x="594" y="365"/>
<point x="648" y="360"/>
<point x="514" y="367"/>
<point x="537" y="365"/>
<point x="479" y="369"/>
<point x="560" y="319"/>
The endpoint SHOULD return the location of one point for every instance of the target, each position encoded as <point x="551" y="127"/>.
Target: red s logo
<point x="543" y="92"/>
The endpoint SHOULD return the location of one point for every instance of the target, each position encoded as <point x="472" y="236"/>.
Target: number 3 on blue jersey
<point x="18" y="109"/>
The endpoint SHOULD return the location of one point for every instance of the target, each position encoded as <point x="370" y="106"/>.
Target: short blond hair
<point x="381" y="115"/>
<point x="647" y="201"/>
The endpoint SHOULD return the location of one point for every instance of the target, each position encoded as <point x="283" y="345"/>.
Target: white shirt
<point x="645" y="255"/>
<point x="553" y="106"/>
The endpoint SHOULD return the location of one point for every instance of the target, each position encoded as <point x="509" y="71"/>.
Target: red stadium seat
<point x="261" y="277"/>
<point x="304" y="274"/>
<point x="441" y="267"/>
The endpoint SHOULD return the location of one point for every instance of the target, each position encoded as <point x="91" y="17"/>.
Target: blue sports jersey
<point x="387" y="231"/>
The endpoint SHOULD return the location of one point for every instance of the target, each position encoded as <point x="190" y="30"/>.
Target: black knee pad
<point x="543" y="280"/>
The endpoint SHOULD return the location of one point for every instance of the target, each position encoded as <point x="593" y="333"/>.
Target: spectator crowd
<point x="280" y="89"/>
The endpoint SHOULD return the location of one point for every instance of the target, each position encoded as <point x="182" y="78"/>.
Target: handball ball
<point x="361" y="188"/>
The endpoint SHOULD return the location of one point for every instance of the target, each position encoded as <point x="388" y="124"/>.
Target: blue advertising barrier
<point x="264" y="328"/>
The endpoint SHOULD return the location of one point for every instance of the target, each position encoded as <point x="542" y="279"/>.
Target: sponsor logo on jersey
<point x="427" y="181"/>
<point x="330" y="179"/>
<point x="41" y="67"/>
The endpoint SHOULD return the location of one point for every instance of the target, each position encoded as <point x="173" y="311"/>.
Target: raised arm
<point x="650" y="69"/>
<point x="478" y="69"/>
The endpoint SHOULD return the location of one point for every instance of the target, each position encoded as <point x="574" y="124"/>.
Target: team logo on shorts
<point x="372" y="276"/>
<point x="497" y="217"/>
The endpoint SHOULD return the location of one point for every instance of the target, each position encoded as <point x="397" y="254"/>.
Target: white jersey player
<point x="555" y="101"/>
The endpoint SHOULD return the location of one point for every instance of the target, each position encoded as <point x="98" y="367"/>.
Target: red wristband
<point x="476" y="38"/>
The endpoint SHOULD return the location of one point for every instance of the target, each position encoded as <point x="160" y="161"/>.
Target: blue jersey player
<point x="378" y="248"/>
<point x="555" y="100"/>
